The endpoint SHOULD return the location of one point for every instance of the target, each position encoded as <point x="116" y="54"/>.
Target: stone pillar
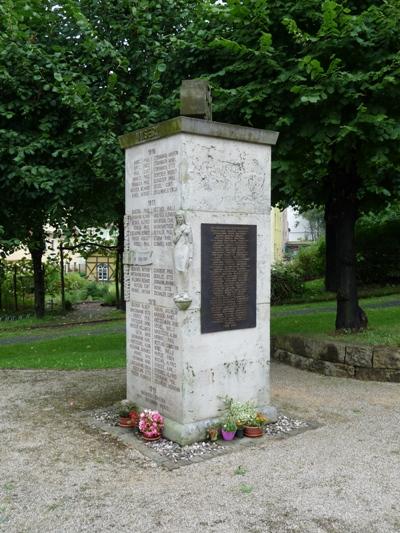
<point x="197" y="270"/>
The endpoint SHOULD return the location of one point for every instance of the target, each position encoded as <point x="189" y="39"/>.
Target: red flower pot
<point x="253" y="431"/>
<point x="151" y="438"/>
<point x="125" y="422"/>
<point x="134" y="416"/>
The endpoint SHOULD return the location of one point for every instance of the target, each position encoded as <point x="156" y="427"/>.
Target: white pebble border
<point x="186" y="454"/>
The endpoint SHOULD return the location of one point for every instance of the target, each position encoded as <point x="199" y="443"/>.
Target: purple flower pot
<point x="228" y="435"/>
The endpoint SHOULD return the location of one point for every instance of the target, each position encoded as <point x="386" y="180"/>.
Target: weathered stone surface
<point x="329" y="351"/>
<point x="200" y="127"/>
<point x="315" y="349"/>
<point x="359" y="356"/>
<point x="189" y="172"/>
<point x="380" y="363"/>
<point x="378" y="374"/>
<point x="331" y="369"/>
<point x="298" y="361"/>
<point x="386" y="357"/>
<point x="371" y="374"/>
<point x="196" y="99"/>
<point x="314" y="365"/>
<point x="394" y="376"/>
<point x="295" y="344"/>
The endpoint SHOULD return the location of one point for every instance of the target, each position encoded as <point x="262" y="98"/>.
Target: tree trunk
<point x="331" y="256"/>
<point x="15" y="288"/>
<point x="349" y="315"/>
<point x="37" y="250"/>
<point x="117" y="301"/>
<point x="62" y="279"/>
<point x="122" y="278"/>
<point x="120" y="253"/>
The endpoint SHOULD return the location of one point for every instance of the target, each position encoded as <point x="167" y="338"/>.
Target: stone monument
<point x="197" y="268"/>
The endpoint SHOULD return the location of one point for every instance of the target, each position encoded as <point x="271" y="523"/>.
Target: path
<point x="57" y="475"/>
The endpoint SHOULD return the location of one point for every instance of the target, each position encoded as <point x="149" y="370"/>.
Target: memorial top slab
<point x="196" y="126"/>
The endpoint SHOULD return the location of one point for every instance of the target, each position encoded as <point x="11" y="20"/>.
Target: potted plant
<point x="240" y="429"/>
<point x="254" y="426"/>
<point x="128" y="415"/>
<point x="212" y="433"/>
<point x="228" y="429"/>
<point x="124" y="418"/>
<point x="133" y="414"/>
<point x="151" y="424"/>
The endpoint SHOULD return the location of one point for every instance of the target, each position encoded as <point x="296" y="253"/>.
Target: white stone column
<point x="182" y="175"/>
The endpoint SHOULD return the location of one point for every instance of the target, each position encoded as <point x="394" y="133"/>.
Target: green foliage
<point x="96" y="290"/>
<point x="240" y="471"/>
<point x="110" y="298"/>
<point x="310" y="261"/>
<point x="229" y="424"/>
<point x="325" y="74"/>
<point x="378" y="258"/>
<point x="75" y="281"/>
<point x="286" y="282"/>
<point x="82" y="289"/>
<point x="21" y="272"/>
<point x="240" y="412"/>
<point x="74" y="75"/>
<point x="245" y="488"/>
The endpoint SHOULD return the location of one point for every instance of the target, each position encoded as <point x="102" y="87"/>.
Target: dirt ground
<point x="58" y="475"/>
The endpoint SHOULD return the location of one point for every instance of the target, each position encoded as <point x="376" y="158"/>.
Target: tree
<point x="326" y="75"/>
<point x="42" y="146"/>
<point x="75" y="74"/>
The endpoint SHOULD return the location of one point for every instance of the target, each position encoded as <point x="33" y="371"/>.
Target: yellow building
<point x="100" y="268"/>
<point x="278" y="233"/>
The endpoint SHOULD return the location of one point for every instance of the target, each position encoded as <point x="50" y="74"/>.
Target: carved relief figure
<point x="183" y="254"/>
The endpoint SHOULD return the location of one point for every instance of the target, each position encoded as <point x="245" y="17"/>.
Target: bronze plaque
<point x="228" y="277"/>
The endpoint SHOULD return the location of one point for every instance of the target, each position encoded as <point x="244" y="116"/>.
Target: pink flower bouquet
<point x="151" y="423"/>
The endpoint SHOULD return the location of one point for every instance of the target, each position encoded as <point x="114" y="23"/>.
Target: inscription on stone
<point x="140" y="230"/>
<point x="228" y="277"/>
<point x="163" y="226"/>
<point x="153" y="344"/>
<point x="140" y="340"/>
<point x="140" y="279"/>
<point x="154" y="174"/>
<point x="163" y="282"/>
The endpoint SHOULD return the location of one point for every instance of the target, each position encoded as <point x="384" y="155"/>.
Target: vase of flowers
<point x="228" y="429"/>
<point x="128" y="416"/>
<point x="254" y="426"/>
<point x="212" y="433"/>
<point x="151" y="424"/>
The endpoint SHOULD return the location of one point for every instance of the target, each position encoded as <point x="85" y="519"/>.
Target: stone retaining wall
<point x="376" y="363"/>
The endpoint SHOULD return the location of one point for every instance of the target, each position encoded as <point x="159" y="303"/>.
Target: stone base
<point x="185" y="434"/>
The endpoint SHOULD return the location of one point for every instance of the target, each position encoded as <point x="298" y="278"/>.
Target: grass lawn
<point x="67" y="353"/>
<point x="384" y="326"/>
<point x="61" y="330"/>
<point x="315" y="292"/>
<point x="279" y="309"/>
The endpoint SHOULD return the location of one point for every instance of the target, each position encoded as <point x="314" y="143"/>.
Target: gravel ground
<point x="59" y="475"/>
